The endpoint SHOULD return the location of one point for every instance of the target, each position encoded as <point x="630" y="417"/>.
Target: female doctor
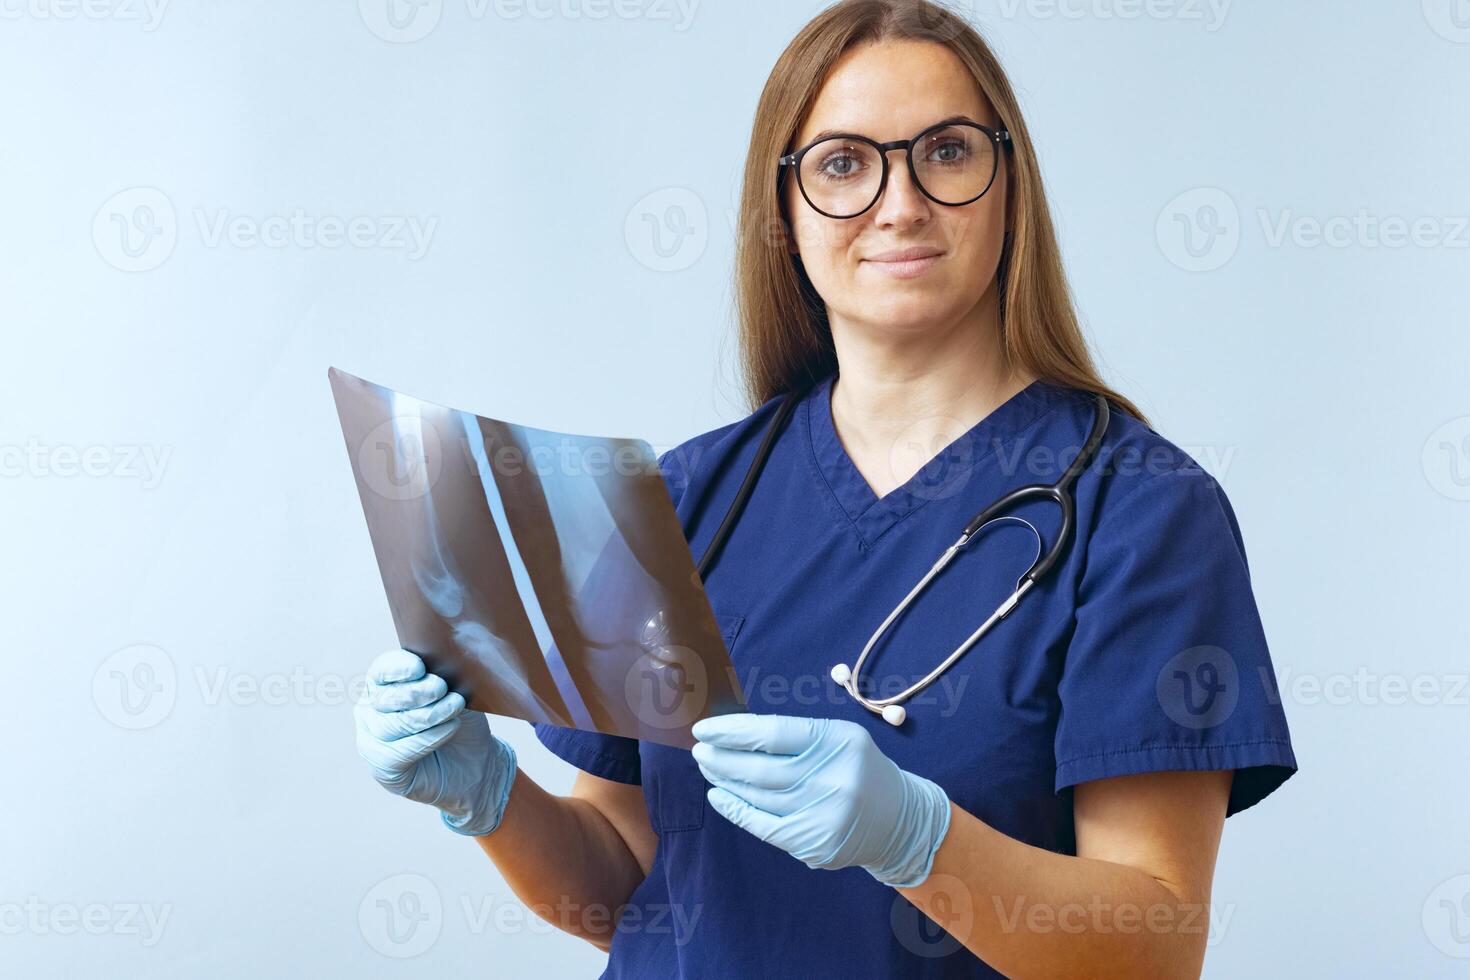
<point x="1053" y="804"/>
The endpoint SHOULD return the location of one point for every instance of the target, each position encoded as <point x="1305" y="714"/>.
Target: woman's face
<point x="891" y="91"/>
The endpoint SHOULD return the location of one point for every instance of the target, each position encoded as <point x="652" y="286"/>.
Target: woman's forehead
<point x="892" y="90"/>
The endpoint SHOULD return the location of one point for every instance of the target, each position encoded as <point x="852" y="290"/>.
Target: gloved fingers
<point x="407" y="695"/>
<point x="720" y="765"/>
<point x="395" y="666"/>
<point x="404" y="753"/>
<point x="776" y="801"/>
<point x="776" y="734"/>
<point x="389" y="726"/>
<point x="748" y="818"/>
<point x="412" y="748"/>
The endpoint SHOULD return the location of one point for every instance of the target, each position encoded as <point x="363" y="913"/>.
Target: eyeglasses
<point x="842" y="175"/>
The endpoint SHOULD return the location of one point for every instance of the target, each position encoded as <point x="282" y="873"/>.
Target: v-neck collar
<point x="945" y="475"/>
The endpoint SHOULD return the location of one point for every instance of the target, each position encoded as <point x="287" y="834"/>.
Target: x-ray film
<point x="545" y="576"/>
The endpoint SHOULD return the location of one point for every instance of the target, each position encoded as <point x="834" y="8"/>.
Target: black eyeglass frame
<point x="1000" y="137"/>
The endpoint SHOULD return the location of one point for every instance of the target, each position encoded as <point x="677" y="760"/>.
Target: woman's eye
<point x="839" y="166"/>
<point x="951" y="152"/>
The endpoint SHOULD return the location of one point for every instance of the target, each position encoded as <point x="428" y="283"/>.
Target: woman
<point x="1053" y="804"/>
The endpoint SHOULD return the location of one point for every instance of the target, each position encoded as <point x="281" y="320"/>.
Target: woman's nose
<point x="900" y="198"/>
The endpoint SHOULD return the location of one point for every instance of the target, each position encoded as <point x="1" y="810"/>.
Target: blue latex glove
<point x="423" y="744"/>
<point x="823" y="792"/>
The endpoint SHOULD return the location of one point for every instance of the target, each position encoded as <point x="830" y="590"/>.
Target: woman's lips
<point x="904" y="268"/>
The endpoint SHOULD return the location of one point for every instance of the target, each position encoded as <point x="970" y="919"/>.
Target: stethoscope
<point x="1059" y="493"/>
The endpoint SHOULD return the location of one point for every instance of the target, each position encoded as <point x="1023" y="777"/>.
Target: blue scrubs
<point x="1141" y="651"/>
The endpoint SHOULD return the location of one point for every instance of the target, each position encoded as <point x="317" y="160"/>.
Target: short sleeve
<point x="1168" y="667"/>
<point x="609" y="756"/>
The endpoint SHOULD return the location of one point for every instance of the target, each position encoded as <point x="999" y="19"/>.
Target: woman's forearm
<point x="564" y="860"/>
<point x="1030" y="912"/>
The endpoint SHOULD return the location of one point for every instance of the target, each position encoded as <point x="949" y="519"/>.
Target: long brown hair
<point x="785" y="339"/>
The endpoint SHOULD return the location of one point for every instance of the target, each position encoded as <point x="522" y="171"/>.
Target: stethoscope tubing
<point x="1059" y="493"/>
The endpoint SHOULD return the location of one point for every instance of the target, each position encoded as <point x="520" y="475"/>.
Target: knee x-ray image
<point x="545" y="576"/>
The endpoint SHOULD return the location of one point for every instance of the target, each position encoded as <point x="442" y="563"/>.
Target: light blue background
<point x="1326" y="386"/>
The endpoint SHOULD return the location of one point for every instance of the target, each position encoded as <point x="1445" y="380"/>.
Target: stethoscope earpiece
<point x="894" y="714"/>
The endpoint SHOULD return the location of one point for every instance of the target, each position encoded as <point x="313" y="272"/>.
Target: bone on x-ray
<point x="545" y="576"/>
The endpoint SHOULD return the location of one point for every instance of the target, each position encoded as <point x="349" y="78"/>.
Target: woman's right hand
<point x="424" y="744"/>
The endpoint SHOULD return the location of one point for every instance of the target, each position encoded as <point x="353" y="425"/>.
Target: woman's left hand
<point x="823" y="792"/>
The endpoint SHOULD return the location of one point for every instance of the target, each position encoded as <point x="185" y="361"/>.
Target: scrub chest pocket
<point x="672" y="783"/>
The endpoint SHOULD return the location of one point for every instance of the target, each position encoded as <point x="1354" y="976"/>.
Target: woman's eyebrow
<point x="849" y="132"/>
